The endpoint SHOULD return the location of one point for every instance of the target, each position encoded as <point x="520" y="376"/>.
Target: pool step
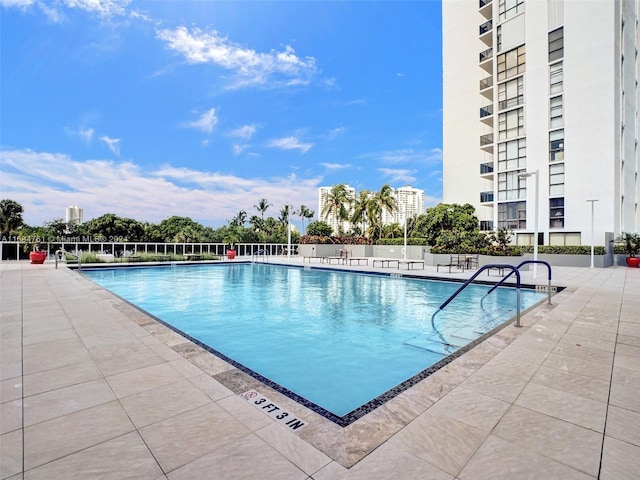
<point x="444" y="344"/>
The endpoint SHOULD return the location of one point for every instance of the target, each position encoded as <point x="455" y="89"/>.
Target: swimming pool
<point x="340" y="342"/>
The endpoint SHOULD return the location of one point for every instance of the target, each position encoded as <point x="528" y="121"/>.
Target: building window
<point x="561" y="238"/>
<point x="511" y="63"/>
<point x="556" y="44"/>
<point x="509" y="8"/>
<point x="512" y="215"/>
<point x="556" y="212"/>
<point x="486" y="225"/>
<point x="556" y="179"/>
<point x="511" y="124"/>
<point x="511" y="93"/>
<point x="555" y="112"/>
<point x="511" y="187"/>
<point x="556" y="146"/>
<point x="556" y="77"/>
<point x="512" y="154"/>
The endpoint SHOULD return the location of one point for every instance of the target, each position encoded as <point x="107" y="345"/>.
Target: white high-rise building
<point x="410" y="203"/>
<point x="331" y="219"/>
<point x="546" y="89"/>
<point x="74" y="214"/>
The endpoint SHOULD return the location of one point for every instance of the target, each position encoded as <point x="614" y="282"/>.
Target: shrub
<point x="330" y="240"/>
<point x="400" y="241"/>
<point x="564" y="249"/>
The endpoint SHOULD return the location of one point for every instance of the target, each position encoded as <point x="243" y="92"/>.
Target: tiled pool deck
<point x="93" y="388"/>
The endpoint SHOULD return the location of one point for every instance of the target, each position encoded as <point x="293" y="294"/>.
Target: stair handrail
<point x="525" y="262"/>
<point x="470" y="279"/>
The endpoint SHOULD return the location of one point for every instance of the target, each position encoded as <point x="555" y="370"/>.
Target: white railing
<point x="13" y="250"/>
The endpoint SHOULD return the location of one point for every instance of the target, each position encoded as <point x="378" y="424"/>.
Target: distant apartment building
<point x="543" y="92"/>
<point x="323" y="196"/>
<point x="410" y="202"/>
<point x="74" y="214"/>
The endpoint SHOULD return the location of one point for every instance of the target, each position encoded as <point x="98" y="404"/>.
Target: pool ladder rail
<point x="514" y="270"/>
<point x="260" y="253"/>
<point x="64" y="252"/>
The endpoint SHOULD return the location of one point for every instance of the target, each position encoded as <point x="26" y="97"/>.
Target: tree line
<point x="447" y="227"/>
<point x="240" y="229"/>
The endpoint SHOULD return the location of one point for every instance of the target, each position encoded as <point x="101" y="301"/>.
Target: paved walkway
<point x="93" y="388"/>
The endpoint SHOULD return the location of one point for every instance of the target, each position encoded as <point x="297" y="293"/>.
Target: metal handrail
<point x="482" y="269"/>
<point x="518" y="267"/>
<point x="64" y="252"/>
<point x="262" y="252"/>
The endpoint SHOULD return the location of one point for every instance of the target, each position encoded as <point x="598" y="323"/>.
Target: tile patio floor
<point x="93" y="388"/>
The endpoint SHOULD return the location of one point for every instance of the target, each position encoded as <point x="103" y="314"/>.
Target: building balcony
<point x="486" y="8"/>
<point x="486" y="35"/>
<point x="486" y="169"/>
<point x="486" y="60"/>
<point x="486" y="142"/>
<point x="486" y="87"/>
<point x="486" y="197"/>
<point x="486" y="115"/>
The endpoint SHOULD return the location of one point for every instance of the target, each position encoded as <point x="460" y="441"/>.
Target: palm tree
<point x="361" y="209"/>
<point x="382" y="201"/>
<point x="304" y="212"/>
<point x="392" y="230"/>
<point x="337" y="205"/>
<point x="262" y="207"/>
<point x="240" y="219"/>
<point x="284" y="215"/>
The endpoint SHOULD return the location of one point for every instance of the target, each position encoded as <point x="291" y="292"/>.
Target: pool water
<point x="337" y="339"/>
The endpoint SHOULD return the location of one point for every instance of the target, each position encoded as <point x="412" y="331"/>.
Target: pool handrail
<point x="64" y="252"/>
<point x="262" y="252"/>
<point x="525" y="262"/>
<point x="470" y="279"/>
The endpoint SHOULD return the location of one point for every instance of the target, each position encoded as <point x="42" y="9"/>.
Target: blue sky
<point x="148" y="109"/>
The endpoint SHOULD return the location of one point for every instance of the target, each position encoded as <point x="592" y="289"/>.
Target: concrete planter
<point x="565" y="260"/>
<point x="414" y="252"/>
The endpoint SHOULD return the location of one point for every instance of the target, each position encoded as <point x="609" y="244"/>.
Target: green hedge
<point x="565" y="250"/>
<point x="400" y="241"/>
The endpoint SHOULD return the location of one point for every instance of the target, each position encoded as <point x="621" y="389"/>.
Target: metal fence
<point x="15" y="250"/>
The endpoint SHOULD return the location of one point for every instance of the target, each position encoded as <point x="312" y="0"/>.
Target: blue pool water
<point x="339" y="340"/>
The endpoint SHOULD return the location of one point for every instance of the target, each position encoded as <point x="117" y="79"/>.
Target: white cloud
<point x="399" y="175"/>
<point x="206" y="122"/>
<point x="290" y="143"/>
<point x="103" y="8"/>
<point x="246" y="132"/>
<point x="112" y="143"/>
<point x="126" y="189"/>
<point x="238" y="149"/>
<point x="249" y="67"/>
<point x="54" y="10"/>
<point x="335" y="166"/>
<point x="22" y="4"/>
<point x="336" y="132"/>
<point x="405" y="155"/>
<point x="85" y="134"/>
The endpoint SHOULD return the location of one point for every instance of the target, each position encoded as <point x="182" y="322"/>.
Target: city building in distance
<point x="74" y="214"/>
<point x="410" y="202"/>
